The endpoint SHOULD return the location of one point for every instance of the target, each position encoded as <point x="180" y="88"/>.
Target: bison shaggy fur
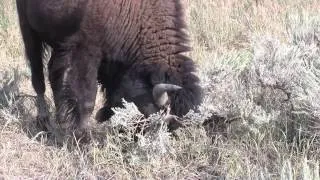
<point x="128" y="46"/>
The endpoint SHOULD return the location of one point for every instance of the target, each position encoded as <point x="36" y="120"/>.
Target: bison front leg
<point x="73" y="78"/>
<point x="34" y="50"/>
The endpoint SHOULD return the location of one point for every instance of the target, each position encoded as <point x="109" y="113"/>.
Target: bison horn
<point x="160" y="94"/>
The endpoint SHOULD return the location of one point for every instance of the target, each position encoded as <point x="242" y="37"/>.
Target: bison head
<point x="147" y="97"/>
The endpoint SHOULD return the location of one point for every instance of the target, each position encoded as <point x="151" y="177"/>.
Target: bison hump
<point x="55" y="17"/>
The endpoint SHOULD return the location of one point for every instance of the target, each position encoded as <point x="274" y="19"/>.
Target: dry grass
<point x="259" y="64"/>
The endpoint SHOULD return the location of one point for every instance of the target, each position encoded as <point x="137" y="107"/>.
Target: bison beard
<point x="132" y="47"/>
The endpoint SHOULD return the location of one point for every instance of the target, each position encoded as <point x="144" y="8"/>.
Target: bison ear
<point x="160" y="94"/>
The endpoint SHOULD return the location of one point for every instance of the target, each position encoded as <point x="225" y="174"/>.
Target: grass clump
<point x="259" y="67"/>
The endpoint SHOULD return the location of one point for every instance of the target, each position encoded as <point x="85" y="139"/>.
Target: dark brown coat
<point x="129" y="46"/>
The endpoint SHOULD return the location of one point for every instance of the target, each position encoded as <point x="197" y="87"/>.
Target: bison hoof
<point x="75" y="136"/>
<point x="104" y="114"/>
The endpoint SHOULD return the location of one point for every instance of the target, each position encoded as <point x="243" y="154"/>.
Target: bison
<point x="133" y="48"/>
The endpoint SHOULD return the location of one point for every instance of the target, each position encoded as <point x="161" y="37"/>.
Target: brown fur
<point x="129" y="46"/>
